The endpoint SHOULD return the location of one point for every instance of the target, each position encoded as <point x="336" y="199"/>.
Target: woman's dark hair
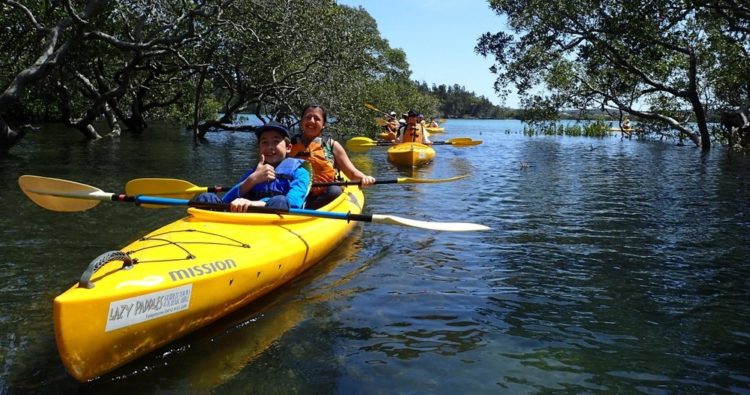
<point x="312" y="107"/>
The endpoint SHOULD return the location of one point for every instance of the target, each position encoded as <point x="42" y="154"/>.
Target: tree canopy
<point x="665" y="62"/>
<point x="127" y="61"/>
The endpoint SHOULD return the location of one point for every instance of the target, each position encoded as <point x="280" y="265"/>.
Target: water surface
<point x="613" y="266"/>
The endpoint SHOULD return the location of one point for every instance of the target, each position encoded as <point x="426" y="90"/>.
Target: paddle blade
<point x="466" y="143"/>
<point x="164" y="187"/>
<point x="407" y="180"/>
<point x="380" y="121"/>
<point x="458" y="139"/>
<point x="360" y="144"/>
<point x="61" y="195"/>
<point x="371" y="107"/>
<point x="442" y="226"/>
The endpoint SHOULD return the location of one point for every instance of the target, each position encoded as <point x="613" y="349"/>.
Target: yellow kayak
<point x="435" y="130"/>
<point x="410" y="154"/>
<point x="184" y="276"/>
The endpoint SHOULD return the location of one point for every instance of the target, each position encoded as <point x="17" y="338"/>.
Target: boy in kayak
<point x="276" y="182"/>
<point x="325" y="155"/>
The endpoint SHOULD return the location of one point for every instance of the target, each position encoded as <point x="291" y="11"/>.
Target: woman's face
<point x="313" y="122"/>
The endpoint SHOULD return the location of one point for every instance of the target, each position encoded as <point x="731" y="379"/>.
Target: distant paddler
<point x="414" y="131"/>
<point x="390" y="132"/>
<point x="626" y="124"/>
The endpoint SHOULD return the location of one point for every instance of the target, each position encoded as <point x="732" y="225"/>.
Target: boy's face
<point x="273" y="146"/>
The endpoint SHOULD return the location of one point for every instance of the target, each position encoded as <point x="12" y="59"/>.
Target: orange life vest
<point x="412" y="133"/>
<point x="319" y="152"/>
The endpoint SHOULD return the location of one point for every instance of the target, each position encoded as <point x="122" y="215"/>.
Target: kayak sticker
<point x="145" y="282"/>
<point x="147" y="307"/>
<point x="202" y="270"/>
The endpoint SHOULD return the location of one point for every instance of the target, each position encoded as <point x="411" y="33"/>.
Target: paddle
<point x="171" y="187"/>
<point x="373" y="108"/>
<point x="362" y="144"/>
<point x="69" y="196"/>
<point x="399" y="180"/>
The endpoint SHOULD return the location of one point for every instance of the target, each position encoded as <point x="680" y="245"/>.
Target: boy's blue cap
<point x="272" y="126"/>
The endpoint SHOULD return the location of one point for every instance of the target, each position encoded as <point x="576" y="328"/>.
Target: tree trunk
<point x="197" y="133"/>
<point x="700" y="119"/>
<point x="10" y="137"/>
<point x="114" y="127"/>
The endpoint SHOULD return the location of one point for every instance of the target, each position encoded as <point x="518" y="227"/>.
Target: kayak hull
<point x="184" y="276"/>
<point x="436" y="130"/>
<point x="411" y="154"/>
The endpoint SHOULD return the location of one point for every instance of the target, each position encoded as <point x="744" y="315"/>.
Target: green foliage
<point x="457" y="102"/>
<point x="669" y="62"/>
<point x="587" y="129"/>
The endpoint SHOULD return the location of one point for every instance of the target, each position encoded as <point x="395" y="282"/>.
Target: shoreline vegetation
<point x="80" y="65"/>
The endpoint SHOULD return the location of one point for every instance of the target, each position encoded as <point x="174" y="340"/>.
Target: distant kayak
<point x="411" y="154"/>
<point x="436" y="130"/>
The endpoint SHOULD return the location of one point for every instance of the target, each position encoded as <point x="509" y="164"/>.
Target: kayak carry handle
<point x="101" y="260"/>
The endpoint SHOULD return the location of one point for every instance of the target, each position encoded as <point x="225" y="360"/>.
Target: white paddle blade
<point x="443" y="226"/>
<point x="407" y="180"/>
<point x="61" y="195"/>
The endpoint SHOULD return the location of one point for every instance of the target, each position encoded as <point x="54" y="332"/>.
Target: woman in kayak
<point x="277" y="181"/>
<point x="325" y="155"/>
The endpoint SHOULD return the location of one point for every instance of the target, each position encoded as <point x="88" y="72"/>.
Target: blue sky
<point x="438" y="37"/>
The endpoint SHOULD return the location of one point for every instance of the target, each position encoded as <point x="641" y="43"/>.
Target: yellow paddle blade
<point x="380" y="121"/>
<point x="407" y="180"/>
<point x="466" y="143"/>
<point x="163" y="187"/>
<point x="458" y="139"/>
<point x="360" y="144"/>
<point x="371" y="107"/>
<point x="61" y="195"/>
